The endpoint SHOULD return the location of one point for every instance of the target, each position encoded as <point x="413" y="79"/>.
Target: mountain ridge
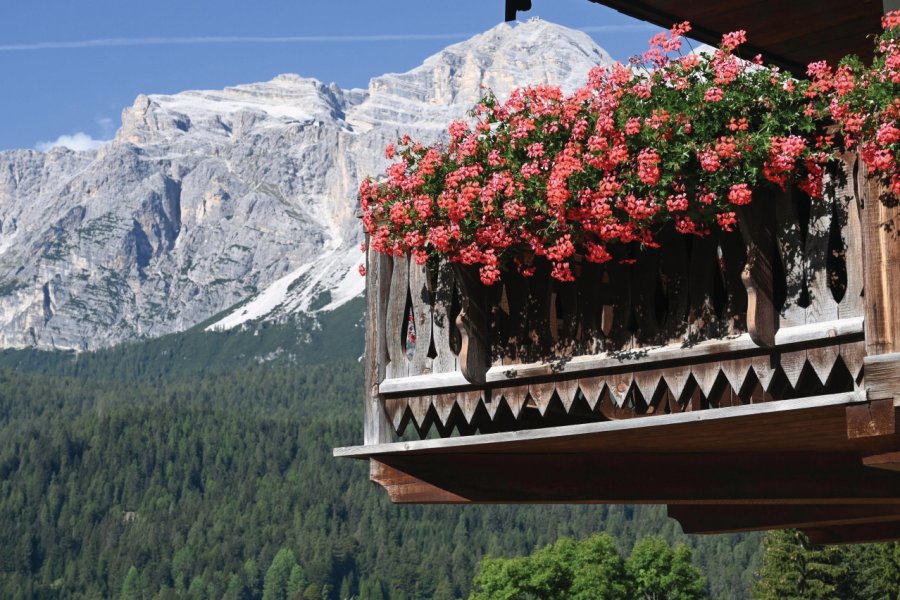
<point x="242" y="197"/>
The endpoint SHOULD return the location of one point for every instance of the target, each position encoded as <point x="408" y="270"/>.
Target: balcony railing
<point x="771" y="312"/>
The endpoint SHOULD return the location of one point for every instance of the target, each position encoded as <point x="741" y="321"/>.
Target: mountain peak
<point x="243" y="196"/>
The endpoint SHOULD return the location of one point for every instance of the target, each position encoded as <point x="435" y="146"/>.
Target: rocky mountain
<point x="242" y="198"/>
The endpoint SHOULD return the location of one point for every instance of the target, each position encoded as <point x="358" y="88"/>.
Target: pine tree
<point x="275" y="583"/>
<point x="794" y="569"/>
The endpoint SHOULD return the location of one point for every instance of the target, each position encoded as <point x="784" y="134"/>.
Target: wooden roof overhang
<point x="788" y="33"/>
<point x="790" y="463"/>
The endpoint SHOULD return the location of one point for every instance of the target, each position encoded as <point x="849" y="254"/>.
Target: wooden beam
<point x="405" y="488"/>
<point x="805" y="424"/>
<point x="888" y="460"/>
<point x="788" y="338"/>
<point x="804" y="479"/>
<point x="854" y="534"/>
<point x="871" y="419"/>
<point x="732" y="518"/>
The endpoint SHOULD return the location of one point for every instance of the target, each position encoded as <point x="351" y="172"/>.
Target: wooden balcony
<point x="747" y="379"/>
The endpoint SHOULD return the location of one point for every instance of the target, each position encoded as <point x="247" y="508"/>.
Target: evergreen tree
<point x="278" y="576"/>
<point x="794" y="569"/>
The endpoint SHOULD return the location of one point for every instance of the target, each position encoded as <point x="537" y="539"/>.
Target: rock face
<point x="245" y="196"/>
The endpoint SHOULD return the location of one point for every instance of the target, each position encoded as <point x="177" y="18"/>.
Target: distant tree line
<point x="152" y="475"/>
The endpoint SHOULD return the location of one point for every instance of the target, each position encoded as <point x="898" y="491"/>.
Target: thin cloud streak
<point x="300" y="39"/>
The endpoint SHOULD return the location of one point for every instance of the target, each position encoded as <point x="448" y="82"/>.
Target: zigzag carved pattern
<point x="632" y="394"/>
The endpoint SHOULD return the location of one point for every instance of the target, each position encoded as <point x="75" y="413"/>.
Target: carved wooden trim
<point x="474" y="353"/>
<point x="756" y="222"/>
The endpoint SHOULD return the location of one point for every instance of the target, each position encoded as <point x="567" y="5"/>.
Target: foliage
<point x="592" y="569"/>
<point x="122" y="473"/>
<point x="680" y="140"/>
<point x="795" y="569"/>
<point x="864" y="100"/>
<point x="659" y="572"/>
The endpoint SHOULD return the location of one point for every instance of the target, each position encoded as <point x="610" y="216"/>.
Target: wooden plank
<point x="703" y="268"/>
<point x="644" y="285"/>
<point x="853" y="355"/>
<point x="886" y="460"/>
<point x="377" y="426"/>
<point x="396" y="411"/>
<point x="647" y="382"/>
<point x="591" y="388"/>
<point x="515" y="397"/>
<point x="443" y="407"/>
<point x="569" y="434"/>
<point x="468" y="403"/>
<point x="875" y="418"/>
<point x="419" y="407"/>
<point x="836" y="332"/>
<point x="678" y="478"/>
<point x="765" y="369"/>
<point x="673" y="269"/>
<point x="855" y="534"/>
<point x="881" y="264"/>
<point x="757" y="226"/>
<point x="786" y="41"/>
<point x="541" y="394"/>
<point x="822" y="360"/>
<point x="395" y="320"/>
<point x="401" y="485"/>
<point x="445" y="359"/>
<point x="792" y="254"/>
<point x="736" y="372"/>
<point x="732" y="261"/>
<point x="472" y="322"/>
<point x="516" y="292"/>
<point x="822" y="306"/>
<point x="883" y="376"/>
<point x="705" y="375"/>
<point x="792" y="364"/>
<point x="567" y="389"/>
<point x="421" y="313"/>
<point x="739" y="518"/>
<point x="619" y="294"/>
<point x="852" y="304"/>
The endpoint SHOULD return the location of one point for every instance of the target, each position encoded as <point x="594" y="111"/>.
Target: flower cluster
<point x="668" y="139"/>
<point x="864" y="101"/>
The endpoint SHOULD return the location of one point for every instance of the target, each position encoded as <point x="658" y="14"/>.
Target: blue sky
<point x="58" y="79"/>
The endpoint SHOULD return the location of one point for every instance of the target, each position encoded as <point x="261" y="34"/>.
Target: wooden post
<point x="880" y="218"/>
<point x="378" y="429"/>
<point x="756" y="222"/>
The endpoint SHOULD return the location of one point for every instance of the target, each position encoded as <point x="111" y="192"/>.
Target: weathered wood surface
<point x="379" y="428"/>
<point x="788" y="34"/>
<point x="677" y="478"/>
<point x="881" y="265"/>
<point x="711" y="352"/>
<point x="768" y="312"/>
<point x="770" y="426"/>
<point x="731" y="519"/>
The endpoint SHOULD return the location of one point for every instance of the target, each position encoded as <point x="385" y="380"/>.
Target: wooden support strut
<point x="472" y="322"/>
<point x="756" y="224"/>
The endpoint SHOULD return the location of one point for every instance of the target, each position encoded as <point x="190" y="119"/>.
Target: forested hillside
<point x="154" y="472"/>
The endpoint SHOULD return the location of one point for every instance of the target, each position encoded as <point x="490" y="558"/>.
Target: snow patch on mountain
<point x="241" y="197"/>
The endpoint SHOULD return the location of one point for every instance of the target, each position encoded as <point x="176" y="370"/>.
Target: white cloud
<point x="296" y="39"/>
<point x="78" y="142"/>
